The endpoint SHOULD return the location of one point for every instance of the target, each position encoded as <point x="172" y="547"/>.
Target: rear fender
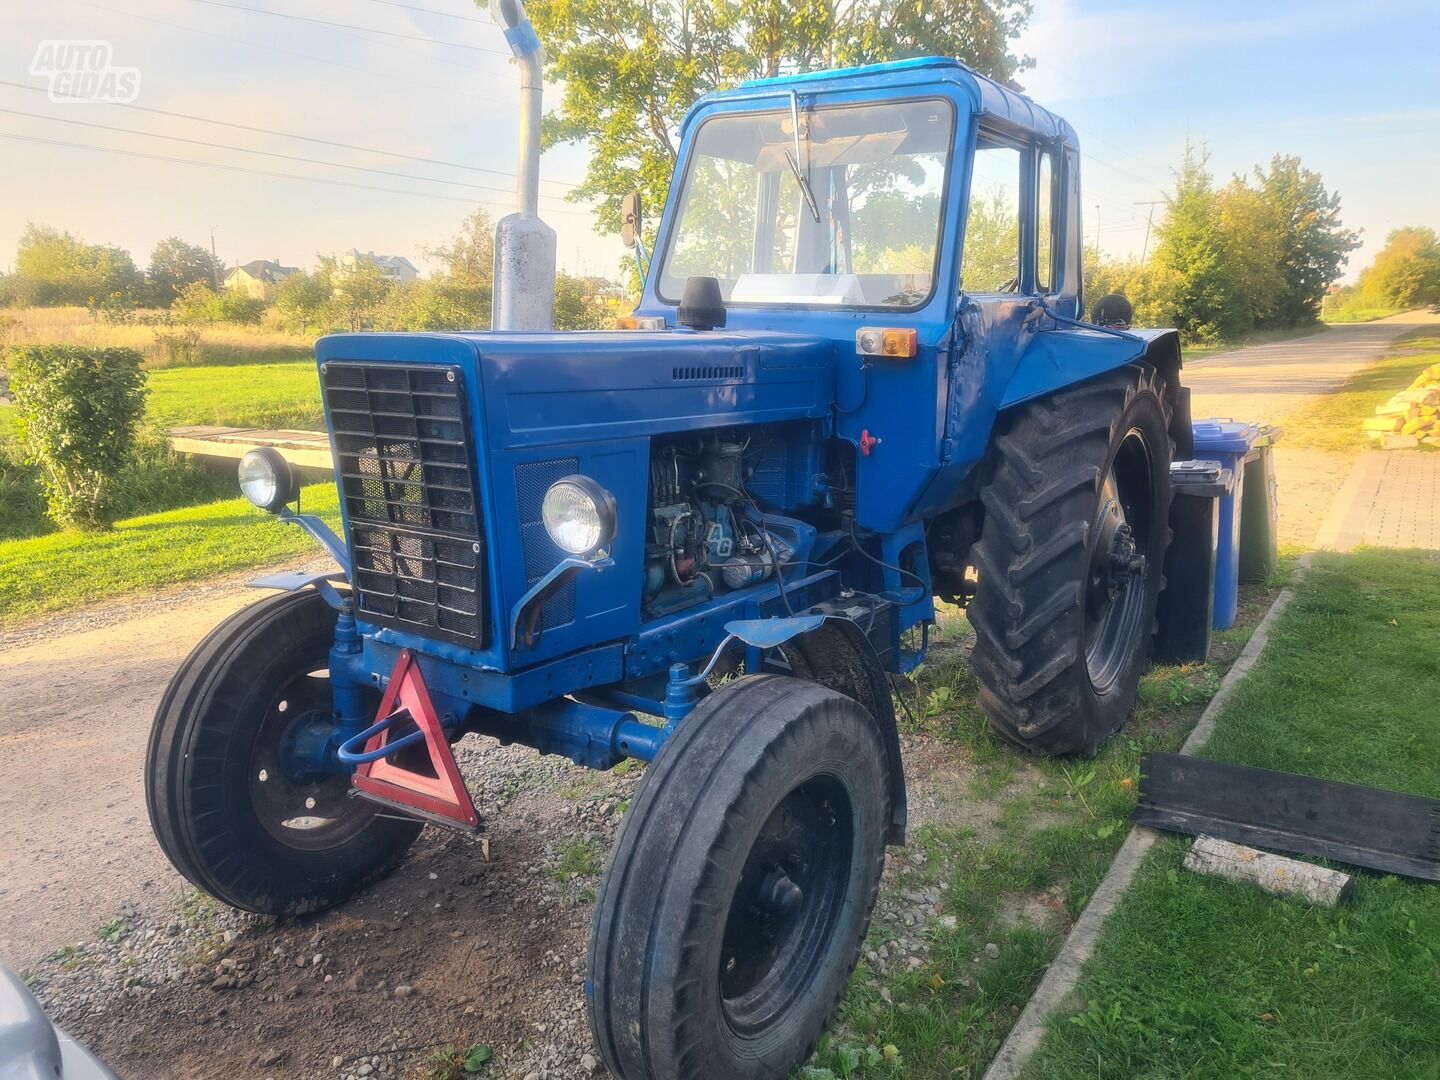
<point x="1074" y="352"/>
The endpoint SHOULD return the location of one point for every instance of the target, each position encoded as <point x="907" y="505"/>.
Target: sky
<point x="1354" y="90"/>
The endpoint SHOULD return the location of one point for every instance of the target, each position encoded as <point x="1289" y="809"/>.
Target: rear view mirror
<point x="630" y="219"/>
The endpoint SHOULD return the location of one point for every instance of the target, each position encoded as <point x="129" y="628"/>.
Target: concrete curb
<point x="1065" y="970"/>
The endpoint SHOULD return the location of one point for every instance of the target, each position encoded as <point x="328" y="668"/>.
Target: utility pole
<point x="1151" y="203"/>
<point x="214" y="262"/>
<point x="1097" y="228"/>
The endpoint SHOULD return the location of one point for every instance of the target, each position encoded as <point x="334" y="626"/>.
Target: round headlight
<point x="267" y="480"/>
<point x="579" y="515"/>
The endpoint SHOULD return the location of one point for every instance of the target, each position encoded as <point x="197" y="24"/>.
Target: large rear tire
<point x="739" y="892"/>
<point x="224" y="798"/>
<point x="1070" y="560"/>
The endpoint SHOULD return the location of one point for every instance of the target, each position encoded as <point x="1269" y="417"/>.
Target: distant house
<point x="394" y="267"/>
<point x="258" y="278"/>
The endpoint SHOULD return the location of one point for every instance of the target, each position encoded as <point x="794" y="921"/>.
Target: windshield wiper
<point x="804" y="186"/>
<point x="794" y="160"/>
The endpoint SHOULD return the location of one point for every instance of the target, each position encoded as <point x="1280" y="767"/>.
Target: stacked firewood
<point x="1411" y="417"/>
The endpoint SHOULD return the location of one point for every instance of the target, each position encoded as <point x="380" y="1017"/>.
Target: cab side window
<point x="1045" y="208"/>
<point x="990" y="262"/>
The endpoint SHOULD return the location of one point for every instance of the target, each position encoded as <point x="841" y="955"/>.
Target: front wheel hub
<point x="779" y="896"/>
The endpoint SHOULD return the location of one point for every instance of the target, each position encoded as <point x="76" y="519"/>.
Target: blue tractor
<point x="858" y="381"/>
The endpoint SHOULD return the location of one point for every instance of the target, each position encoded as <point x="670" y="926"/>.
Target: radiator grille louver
<point x="403" y="450"/>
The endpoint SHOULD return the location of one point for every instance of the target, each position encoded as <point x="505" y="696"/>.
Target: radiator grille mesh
<point x="403" y="450"/>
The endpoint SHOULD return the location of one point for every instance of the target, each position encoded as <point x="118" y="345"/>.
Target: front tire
<point x="739" y="892"/>
<point x="220" y="783"/>
<point x="1070" y="561"/>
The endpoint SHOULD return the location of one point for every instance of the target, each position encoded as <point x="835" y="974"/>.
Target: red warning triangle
<point x="443" y="795"/>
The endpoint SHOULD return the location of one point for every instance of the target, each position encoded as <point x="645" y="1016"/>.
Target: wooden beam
<point x="1274" y="873"/>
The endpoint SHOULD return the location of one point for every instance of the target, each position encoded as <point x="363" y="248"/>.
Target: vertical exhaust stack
<point x="524" y="245"/>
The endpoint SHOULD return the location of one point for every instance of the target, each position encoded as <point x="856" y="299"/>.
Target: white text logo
<point x="83" y="71"/>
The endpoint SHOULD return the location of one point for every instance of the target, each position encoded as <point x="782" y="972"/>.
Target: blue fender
<point x="1073" y="352"/>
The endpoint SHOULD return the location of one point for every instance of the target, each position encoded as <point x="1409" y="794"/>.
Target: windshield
<point x="849" y="218"/>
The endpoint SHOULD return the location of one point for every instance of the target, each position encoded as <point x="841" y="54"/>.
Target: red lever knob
<point x="868" y="442"/>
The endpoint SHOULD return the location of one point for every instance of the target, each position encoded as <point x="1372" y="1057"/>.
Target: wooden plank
<point x="1273" y="873"/>
<point x="304" y="449"/>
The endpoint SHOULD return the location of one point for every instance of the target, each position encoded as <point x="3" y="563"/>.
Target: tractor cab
<point x="890" y="189"/>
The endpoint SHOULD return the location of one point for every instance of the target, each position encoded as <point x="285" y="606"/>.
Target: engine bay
<point x="720" y="514"/>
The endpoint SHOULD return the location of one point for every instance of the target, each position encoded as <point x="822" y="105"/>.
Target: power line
<point x="354" y="28"/>
<point x="300" y="138"/>
<point x="262" y="153"/>
<point x="263" y="172"/>
<point x="432" y="11"/>
<point x="271" y="48"/>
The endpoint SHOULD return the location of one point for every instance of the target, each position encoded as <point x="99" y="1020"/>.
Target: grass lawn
<point x="1333" y="422"/>
<point x="1196" y="977"/>
<point x="1359" y="314"/>
<point x="257" y="395"/>
<point x="1255" y="337"/>
<point x="47" y="574"/>
<point x="1012" y="870"/>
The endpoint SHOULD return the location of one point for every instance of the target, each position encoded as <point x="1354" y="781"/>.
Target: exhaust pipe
<point x="524" y="296"/>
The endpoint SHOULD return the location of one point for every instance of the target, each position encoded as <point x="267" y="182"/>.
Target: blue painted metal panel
<point x="987" y="96"/>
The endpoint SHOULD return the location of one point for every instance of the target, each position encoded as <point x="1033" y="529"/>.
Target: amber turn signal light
<point x="897" y="344"/>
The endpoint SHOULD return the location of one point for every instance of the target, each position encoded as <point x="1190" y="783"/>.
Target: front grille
<point x="407" y="477"/>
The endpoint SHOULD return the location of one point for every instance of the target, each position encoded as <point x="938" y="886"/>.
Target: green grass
<point x="1255" y="337"/>
<point x="257" y="395"/>
<point x="1057" y="827"/>
<point x="1196" y="977"/>
<point x="48" y="574"/>
<point x="1333" y="422"/>
<point x="283" y="395"/>
<point x="1359" y="314"/>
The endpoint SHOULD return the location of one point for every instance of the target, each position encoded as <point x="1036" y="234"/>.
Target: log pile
<point x="1411" y="417"/>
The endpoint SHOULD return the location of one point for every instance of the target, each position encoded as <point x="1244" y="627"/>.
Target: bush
<point x="197" y="303"/>
<point x="234" y="307"/>
<point x="79" y="409"/>
<point x="21" y="507"/>
<point x="156" y="478"/>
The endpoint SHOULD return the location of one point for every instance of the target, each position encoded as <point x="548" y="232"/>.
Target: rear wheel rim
<point x="1118" y="576"/>
<point x="787" y="903"/>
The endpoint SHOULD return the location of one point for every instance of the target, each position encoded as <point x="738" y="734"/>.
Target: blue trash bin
<point x="1228" y="442"/>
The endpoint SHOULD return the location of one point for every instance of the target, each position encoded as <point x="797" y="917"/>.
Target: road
<point x="80" y="699"/>
<point x="1270" y="383"/>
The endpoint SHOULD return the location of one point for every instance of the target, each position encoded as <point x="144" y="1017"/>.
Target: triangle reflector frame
<point x="443" y="796"/>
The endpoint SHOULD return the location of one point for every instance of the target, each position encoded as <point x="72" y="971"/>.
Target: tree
<point x="1406" y="271"/>
<point x="359" y="291"/>
<point x="1314" y="246"/>
<point x="470" y="258"/>
<point x="1191" y="249"/>
<point x="631" y="71"/>
<point x="303" y="300"/>
<point x="1251" y="246"/>
<point x="175" y="264"/>
<point x="576" y="307"/>
<point x="63" y="269"/>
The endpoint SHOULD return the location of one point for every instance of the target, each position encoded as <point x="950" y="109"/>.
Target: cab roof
<point x="987" y="97"/>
